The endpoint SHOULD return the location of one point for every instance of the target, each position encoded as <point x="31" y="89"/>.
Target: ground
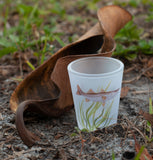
<point x="61" y="139"/>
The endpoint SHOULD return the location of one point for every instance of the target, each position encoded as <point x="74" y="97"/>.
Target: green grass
<point x="33" y="26"/>
<point x="36" y="26"/>
<point x="34" y="31"/>
<point x="132" y="3"/>
<point x="150" y="15"/>
<point x="149" y="127"/>
<point x="139" y="153"/>
<point x="113" y="155"/>
<point x="130" y="42"/>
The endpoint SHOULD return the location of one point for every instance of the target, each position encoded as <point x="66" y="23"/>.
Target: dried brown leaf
<point x="145" y="155"/>
<point x="149" y="65"/>
<point x="58" y="136"/>
<point x="150" y="62"/>
<point x="147" y="116"/>
<point x="124" y="91"/>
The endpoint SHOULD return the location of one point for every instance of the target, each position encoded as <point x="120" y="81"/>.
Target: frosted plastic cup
<point x="96" y="85"/>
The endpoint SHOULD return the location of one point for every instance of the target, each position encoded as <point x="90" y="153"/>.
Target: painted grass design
<point x="89" y="120"/>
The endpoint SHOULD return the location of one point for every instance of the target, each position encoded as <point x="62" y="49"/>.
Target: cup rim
<point x="69" y="67"/>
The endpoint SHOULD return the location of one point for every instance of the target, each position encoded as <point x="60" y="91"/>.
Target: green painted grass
<point x="89" y="120"/>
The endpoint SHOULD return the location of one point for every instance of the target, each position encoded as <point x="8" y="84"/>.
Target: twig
<point x="9" y="157"/>
<point x="10" y="127"/>
<point x="138" y="77"/>
<point x="150" y="129"/>
<point x="11" y="137"/>
<point x="1" y="117"/>
<point x="133" y="126"/>
<point x="141" y="92"/>
<point x="82" y="143"/>
<point x="129" y="69"/>
<point x="148" y="77"/>
<point x="95" y="157"/>
<point x="132" y="80"/>
<point x="8" y="67"/>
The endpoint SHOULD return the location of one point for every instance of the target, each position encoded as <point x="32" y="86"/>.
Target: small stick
<point x="82" y="143"/>
<point x="7" y="67"/>
<point x="138" y="77"/>
<point x="141" y="92"/>
<point x="135" y="128"/>
<point x="129" y="69"/>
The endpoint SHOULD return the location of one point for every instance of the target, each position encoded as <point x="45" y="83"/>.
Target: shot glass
<point x="96" y="85"/>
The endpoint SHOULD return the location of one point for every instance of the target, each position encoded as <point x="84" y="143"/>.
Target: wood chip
<point x="124" y="91"/>
<point x="58" y="136"/>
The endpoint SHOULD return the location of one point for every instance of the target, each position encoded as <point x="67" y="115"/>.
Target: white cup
<point x="96" y="85"/>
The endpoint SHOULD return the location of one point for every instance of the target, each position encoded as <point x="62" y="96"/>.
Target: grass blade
<point x="88" y="122"/>
<point x="107" y="86"/>
<point x="31" y="16"/>
<point x="139" y="153"/>
<point x="82" y="114"/>
<point x="106" y="116"/>
<point x="59" y="41"/>
<point x="113" y="155"/>
<point x="150" y="106"/>
<point x="7" y="51"/>
<point x="99" y="116"/>
<point x="96" y="108"/>
<point x="30" y="65"/>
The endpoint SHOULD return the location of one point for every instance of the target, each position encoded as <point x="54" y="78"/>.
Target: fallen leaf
<point x="147" y="116"/>
<point x="145" y="155"/>
<point x="150" y="62"/>
<point x="149" y="65"/>
<point x="124" y="91"/>
<point x="58" y="136"/>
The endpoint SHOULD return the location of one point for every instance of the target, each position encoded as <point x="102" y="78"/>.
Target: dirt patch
<point x="61" y="139"/>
